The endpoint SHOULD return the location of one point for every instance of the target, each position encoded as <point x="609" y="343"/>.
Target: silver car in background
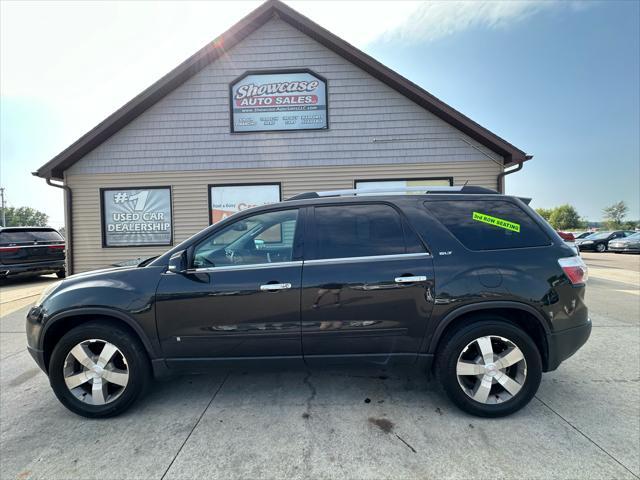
<point x="627" y="244"/>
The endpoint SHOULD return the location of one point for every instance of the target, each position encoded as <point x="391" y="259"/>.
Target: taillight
<point x="9" y="249"/>
<point x="575" y="269"/>
<point x="56" y="247"/>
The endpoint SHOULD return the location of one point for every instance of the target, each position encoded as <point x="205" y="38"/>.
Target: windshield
<point x="635" y="236"/>
<point x="598" y="236"/>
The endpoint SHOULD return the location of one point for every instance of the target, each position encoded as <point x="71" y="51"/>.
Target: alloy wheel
<point x="491" y="369"/>
<point x="96" y="372"/>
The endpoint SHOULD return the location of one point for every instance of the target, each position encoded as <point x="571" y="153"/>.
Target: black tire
<point x="61" y="273"/>
<point x="601" y="247"/>
<point x="447" y="359"/>
<point x="137" y="362"/>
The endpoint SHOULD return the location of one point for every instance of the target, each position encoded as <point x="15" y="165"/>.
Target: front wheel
<point x="601" y="247"/>
<point x="490" y="368"/>
<point x="98" y="370"/>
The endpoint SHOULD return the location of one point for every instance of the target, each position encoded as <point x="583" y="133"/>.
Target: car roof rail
<point x="463" y="189"/>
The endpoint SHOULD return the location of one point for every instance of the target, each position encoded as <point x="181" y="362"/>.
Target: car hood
<point x="99" y="272"/>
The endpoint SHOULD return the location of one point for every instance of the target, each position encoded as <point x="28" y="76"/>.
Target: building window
<point x="401" y="183"/>
<point x="225" y="200"/>
<point x="136" y="217"/>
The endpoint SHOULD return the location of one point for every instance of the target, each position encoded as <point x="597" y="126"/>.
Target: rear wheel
<point x="490" y="368"/>
<point x="98" y="370"/>
<point x="61" y="273"/>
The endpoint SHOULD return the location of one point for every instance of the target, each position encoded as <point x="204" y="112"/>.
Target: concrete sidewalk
<point x="584" y="422"/>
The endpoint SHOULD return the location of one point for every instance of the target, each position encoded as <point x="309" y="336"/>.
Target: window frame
<point x="311" y="248"/>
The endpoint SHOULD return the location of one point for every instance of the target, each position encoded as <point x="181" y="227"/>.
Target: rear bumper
<point x="39" y="268"/>
<point x="565" y="343"/>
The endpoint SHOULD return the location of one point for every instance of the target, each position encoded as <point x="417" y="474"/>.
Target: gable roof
<point x="212" y="51"/>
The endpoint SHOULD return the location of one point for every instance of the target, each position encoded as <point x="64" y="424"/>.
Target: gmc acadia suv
<point x="460" y="281"/>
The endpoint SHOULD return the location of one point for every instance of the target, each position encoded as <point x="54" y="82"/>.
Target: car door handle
<point x="413" y="279"/>
<point x="274" y="287"/>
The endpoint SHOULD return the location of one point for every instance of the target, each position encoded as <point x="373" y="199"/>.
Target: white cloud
<point x="434" y="20"/>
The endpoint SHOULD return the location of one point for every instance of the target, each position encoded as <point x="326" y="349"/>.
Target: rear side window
<point x="488" y="225"/>
<point x="358" y="231"/>
<point x="21" y="236"/>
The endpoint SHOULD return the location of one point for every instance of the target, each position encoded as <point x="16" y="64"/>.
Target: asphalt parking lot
<point x="583" y="423"/>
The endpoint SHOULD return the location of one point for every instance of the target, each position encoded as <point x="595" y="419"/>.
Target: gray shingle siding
<point x="369" y="122"/>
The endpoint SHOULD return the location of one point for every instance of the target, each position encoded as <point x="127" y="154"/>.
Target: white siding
<point x="190" y="196"/>
<point x="369" y="122"/>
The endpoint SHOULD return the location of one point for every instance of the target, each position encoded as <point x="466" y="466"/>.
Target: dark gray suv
<point x="459" y="281"/>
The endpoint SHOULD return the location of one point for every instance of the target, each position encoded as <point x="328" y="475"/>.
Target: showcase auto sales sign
<point x="279" y="101"/>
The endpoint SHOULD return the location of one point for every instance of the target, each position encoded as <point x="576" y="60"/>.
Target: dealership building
<point x="275" y="106"/>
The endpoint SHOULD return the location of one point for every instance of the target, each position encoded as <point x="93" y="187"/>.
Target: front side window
<point x="262" y="238"/>
<point x="358" y="231"/>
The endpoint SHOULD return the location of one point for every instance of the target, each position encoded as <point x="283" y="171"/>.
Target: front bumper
<point x="565" y="343"/>
<point x="38" y="356"/>
<point x="33" y="329"/>
<point x="39" y="268"/>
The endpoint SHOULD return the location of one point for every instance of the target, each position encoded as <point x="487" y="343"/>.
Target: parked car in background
<point x="471" y="285"/>
<point x="599" y="241"/>
<point x="579" y="235"/>
<point x="569" y="239"/>
<point x="627" y="244"/>
<point x="28" y="251"/>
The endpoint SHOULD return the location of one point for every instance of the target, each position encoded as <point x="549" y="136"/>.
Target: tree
<point x="614" y="214"/>
<point x="544" y="213"/>
<point x="565" y="217"/>
<point x="24" y="217"/>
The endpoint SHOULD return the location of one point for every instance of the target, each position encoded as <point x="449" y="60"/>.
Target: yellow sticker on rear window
<point x="496" y="222"/>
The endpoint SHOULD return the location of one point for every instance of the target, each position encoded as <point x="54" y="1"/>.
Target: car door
<point x="240" y="297"/>
<point x="366" y="286"/>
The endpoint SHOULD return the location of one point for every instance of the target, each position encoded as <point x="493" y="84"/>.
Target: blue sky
<point x="561" y="80"/>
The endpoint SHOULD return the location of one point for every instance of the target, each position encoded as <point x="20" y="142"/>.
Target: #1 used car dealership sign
<point x="284" y="100"/>
<point x="136" y="217"/>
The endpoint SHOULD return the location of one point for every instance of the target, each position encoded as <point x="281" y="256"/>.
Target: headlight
<point x="588" y="242"/>
<point x="46" y="292"/>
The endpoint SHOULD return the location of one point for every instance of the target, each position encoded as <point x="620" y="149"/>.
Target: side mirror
<point x="178" y="262"/>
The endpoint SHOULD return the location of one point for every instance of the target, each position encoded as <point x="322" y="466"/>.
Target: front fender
<point x="126" y="294"/>
<point x="152" y="347"/>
